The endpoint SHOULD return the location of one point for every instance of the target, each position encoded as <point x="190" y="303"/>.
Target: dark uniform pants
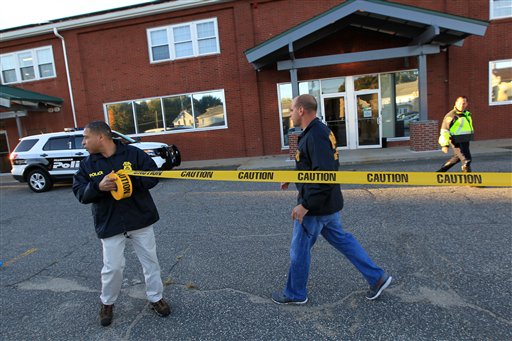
<point x="460" y="153"/>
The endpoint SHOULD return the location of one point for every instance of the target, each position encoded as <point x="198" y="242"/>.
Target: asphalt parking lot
<point x="223" y="248"/>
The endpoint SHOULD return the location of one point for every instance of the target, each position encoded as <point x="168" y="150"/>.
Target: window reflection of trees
<point x="149" y="115"/>
<point x="120" y="117"/>
<point x="367" y="82"/>
<point x="200" y="110"/>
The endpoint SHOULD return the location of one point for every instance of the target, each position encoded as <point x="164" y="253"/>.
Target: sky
<point x="24" y="12"/>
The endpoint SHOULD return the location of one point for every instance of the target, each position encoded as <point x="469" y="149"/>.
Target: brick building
<point x="215" y="77"/>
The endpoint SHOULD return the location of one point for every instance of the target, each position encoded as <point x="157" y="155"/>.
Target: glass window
<point x="120" y="117"/>
<point x="25" y="61"/>
<point x="333" y="85"/>
<point x="159" y="37"/>
<point x="58" y="143"/>
<point x="366" y="82"/>
<point x="149" y="117"/>
<point x="187" y="40"/>
<point x="8" y="66"/>
<point x="25" y="145"/>
<point x="207" y="41"/>
<point x="178" y="112"/>
<point x="159" y="44"/>
<point x="500" y="9"/>
<point x="500" y="80"/>
<point x="208" y="109"/>
<point x="27" y="65"/>
<point x="78" y="141"/>
<point x="183" y="41"/>
<point x="45" y="63"/>
<point x="187" y="111"/>
<point x="399" y="102"/>
<point x="285" y="100"/>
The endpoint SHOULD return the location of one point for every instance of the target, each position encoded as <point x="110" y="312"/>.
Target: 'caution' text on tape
<point x="362" y="178"/>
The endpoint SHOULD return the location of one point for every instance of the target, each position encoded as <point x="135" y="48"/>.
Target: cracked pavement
<point x="223" y="248"/>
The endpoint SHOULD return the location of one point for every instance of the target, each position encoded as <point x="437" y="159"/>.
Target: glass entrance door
<point x="334" y="110"/>
<point x="368" y="125"/>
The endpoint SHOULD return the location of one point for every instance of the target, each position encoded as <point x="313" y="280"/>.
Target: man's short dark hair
<point x="100" y="127"/>
<point x="307" y="102"/>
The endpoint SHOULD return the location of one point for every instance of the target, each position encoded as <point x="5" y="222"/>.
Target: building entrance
<point x="354" y="115"/>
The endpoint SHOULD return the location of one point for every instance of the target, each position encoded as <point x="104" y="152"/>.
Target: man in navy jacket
<point x="318" y="210"/>
<point x="116" y="221"/>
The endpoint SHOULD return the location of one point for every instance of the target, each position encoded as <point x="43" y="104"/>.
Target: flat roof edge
<point x="150" y="9"/>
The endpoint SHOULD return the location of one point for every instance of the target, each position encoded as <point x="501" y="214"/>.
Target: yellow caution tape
<point x="361" y="178"/>
<point x="124" y="185"/>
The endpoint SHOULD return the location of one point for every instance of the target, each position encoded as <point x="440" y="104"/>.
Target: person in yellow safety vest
<point x="457" y="131"/>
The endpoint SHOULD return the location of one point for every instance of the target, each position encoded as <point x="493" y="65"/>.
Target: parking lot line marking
<point x="24" y="254"/>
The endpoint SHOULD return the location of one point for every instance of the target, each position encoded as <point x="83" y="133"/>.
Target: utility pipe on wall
<point x="67" y="75"/>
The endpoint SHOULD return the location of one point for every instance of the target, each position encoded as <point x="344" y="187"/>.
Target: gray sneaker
<point x="382" y="284"/>
<point x="280" y="298"/>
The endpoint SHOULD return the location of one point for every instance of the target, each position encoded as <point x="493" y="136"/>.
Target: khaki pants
<point x="143" y="242"/>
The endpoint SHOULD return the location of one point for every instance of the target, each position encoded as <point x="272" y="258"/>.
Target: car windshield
<point x="123" y="138"/>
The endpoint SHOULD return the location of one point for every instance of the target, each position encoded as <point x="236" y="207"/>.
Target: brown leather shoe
<point x="161" y="308"/>
<point x="106" y="314"/>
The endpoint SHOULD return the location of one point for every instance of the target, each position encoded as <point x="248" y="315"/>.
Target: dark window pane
<point x="120" y="117"/>
<point x="161" y="52"/>
<point x="58" y="143"/>
<point x="27" y="73"/>
<point x="25" y="145"/>
<point x="46" y="70"/>
<point x="9" y="76"/>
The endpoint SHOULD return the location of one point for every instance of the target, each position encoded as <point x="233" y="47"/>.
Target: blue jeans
<point x="304" y="237"/>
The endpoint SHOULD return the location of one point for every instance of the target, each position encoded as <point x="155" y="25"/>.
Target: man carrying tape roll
<point x="123" y="209"/>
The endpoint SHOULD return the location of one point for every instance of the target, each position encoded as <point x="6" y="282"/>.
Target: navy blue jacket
<point x="112" y="217"/>
<point x="317" y="152"/>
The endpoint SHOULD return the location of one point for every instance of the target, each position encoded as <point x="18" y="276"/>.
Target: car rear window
<point x="25" y="145"/>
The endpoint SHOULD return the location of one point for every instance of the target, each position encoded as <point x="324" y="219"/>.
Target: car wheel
<point x="39" y="181"/>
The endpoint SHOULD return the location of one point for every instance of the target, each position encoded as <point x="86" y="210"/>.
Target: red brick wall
<point x="424" y="135"/>
<point x="110" y="62"/>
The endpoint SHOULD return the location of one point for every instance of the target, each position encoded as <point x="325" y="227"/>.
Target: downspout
<point x="67" y="74"/>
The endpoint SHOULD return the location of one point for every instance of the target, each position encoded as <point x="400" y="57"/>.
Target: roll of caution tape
<point x="124" y="185"/>
<point x="360" y="178"/>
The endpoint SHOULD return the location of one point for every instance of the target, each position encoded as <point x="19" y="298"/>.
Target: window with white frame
<point x="192" y="39"/>
<point x="499" y="9"/>
<point x="27" y="65"/>
<point x="500" y="82"/>
<point x="191" y="112"/>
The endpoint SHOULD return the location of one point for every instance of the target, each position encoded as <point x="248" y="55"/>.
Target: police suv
<point x="41" y="160"/>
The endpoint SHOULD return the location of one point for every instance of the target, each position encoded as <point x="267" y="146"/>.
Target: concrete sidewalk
<point x="347" y="157"/>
